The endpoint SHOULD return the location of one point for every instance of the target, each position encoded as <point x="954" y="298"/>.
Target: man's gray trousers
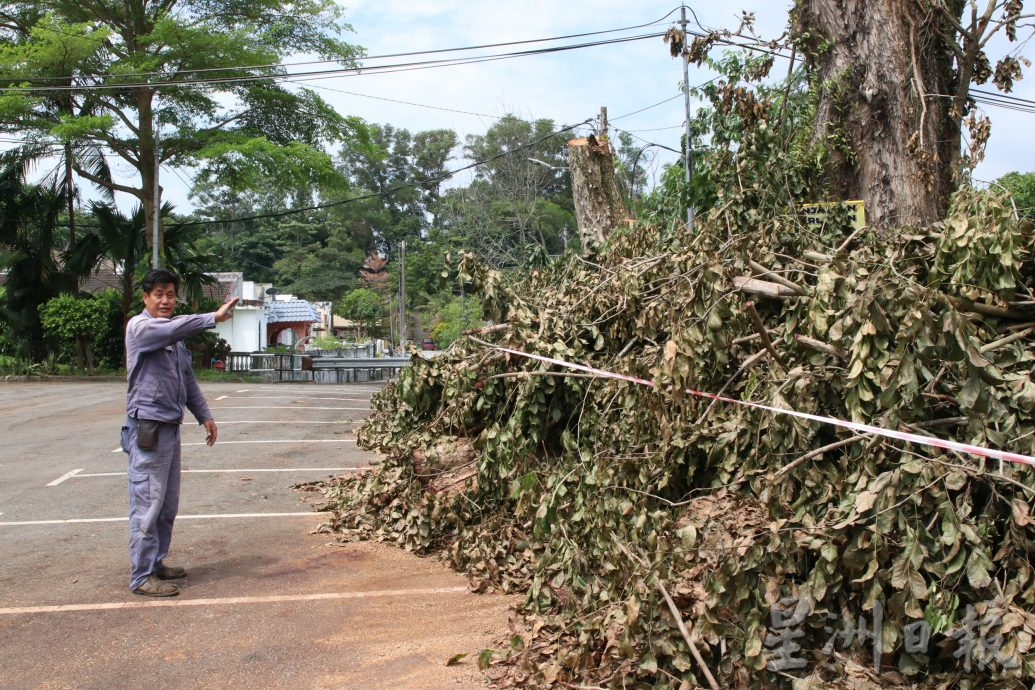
<point x="154" y="498"/>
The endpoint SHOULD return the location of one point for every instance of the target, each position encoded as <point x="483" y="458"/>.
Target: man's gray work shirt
<point x="158" y="367"/>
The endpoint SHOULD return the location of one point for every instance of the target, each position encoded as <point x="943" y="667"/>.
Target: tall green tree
<point x="406" y="171"/>
<point x="144" y="66"/>
<point x="53" y="51"/>
<point x="517" y="201"/>
<point x="363" y="306"/>
<point x="320" y="261"/>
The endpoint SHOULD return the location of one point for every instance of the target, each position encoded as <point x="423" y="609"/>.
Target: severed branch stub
<point x="485" y="330"/>
<point x="820" y="346"/>
<point x="763" y="288"/>
<point x="598" y="203"/>
<point x="964" y="304"/>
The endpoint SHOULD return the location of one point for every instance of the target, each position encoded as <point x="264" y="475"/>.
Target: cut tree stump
<point x="598" y="205"/>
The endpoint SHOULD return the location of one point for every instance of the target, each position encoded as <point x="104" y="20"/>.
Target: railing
<point x="354" y="369"/>
<point x="323" y="368"/>
<point x="345" y="351"/>
<point x="250" y="362"/>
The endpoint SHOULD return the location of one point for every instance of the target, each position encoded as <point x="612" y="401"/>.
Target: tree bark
<point x="598" y="204"/>
<point x="882" y="68"/>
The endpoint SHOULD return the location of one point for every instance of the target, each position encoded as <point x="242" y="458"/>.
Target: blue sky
<point x="566" y="87"/>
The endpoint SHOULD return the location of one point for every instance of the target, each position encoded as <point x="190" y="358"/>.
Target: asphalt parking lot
<point x="267" y="604"/>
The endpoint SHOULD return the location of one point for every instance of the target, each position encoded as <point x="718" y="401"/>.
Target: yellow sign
<point x="817" y="213"/>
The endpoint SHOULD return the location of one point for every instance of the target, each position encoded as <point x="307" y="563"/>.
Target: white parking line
<point x="279" y="440"/>
<point x="227" y="443"/>
<point x="310" y="389"/>
<point x="268" y="599"/>
<point x="280" y="469"/>
<point x="281" y="407"/>
<point x="76" y="521"/>
<point x="283" y="397"/>
<point x="65" y="476"/>
<point x="280" y="421"/>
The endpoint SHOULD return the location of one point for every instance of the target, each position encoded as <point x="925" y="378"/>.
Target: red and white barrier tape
<point x="855" y="426"/>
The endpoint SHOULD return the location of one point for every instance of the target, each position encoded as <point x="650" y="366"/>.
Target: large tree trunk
<point x="598" y="204"/>
<point x="891" y="141"/>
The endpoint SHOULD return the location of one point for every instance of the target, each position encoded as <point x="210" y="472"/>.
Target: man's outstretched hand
<point x="226" y="312"/>
<point x="210" y="432"/>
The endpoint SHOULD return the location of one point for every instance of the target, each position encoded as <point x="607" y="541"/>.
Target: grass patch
<point x="214" y="375"/>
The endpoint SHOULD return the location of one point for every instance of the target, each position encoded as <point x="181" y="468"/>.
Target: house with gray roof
<point x="289" y="320"/>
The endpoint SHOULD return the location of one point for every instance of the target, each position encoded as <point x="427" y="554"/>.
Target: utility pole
<point x="688" y="161"/>
<point x="603" y="121"/>
<point x="158" y="204"/>
<point x="402" y="296"/>
<point x="391" y="323"/>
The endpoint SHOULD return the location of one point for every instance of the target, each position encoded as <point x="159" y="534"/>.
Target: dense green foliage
<point x="363" y="306"/>
<point x="586" y="492"/>
<point x="76" y="321"/>
<point x="590" y="494"/>
<point x="1021" y="187"/>
<point x="35" y="272"/>
<point x="244" y="132"/>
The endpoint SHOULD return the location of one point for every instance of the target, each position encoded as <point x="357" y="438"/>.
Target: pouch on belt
<point x="147" y="433"/>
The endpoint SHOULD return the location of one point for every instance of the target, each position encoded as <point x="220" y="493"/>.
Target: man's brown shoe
<point x="153" y="587"/>
<point x="170" y="572"/>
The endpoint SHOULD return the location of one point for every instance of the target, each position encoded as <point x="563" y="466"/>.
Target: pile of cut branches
<point x="781" y="542"/>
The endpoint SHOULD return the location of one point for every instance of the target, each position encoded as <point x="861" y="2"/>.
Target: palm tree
<point x="118" y="238"/>
<point x="29" y="252"/>
<point x="122" y="240"/>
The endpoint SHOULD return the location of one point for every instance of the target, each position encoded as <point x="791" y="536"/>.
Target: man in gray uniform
<point x="161" y="384"/>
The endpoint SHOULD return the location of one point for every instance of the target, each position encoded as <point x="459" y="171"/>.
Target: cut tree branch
<point x="763" y="272"/>
<point x="756" y="321"/>
<point x="819" y="451"/>
<point x="763" y="288"/>
<point x="820" y="346"/>
<point x="686" y="635"/>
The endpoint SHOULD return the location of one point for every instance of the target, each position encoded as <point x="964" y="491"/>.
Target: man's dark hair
<point x="160" y="276"/>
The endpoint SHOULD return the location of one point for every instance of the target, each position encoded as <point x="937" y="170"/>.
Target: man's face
<point x="161" y="301"/>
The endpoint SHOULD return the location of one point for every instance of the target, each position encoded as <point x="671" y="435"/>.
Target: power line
<point x="647" y="142"/>
<point x="419" y="105"/>
<point x="370" y="57"/>
<point x="637" y="112"/>
<point x="1003" y="96"/>
<point x="333" y="73"/>
<point x="999" y="100"/>
<point x="653" y="129"/>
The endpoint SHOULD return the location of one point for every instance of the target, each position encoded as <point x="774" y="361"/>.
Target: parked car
<point x="428" y="344"/>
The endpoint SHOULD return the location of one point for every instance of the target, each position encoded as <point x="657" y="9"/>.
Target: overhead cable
<point x="330" y="73"/>
<point x="228" y="68"/>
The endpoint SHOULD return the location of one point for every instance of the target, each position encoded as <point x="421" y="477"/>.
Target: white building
<point x="247" y="331"/>
<point x="262" y="317"/>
